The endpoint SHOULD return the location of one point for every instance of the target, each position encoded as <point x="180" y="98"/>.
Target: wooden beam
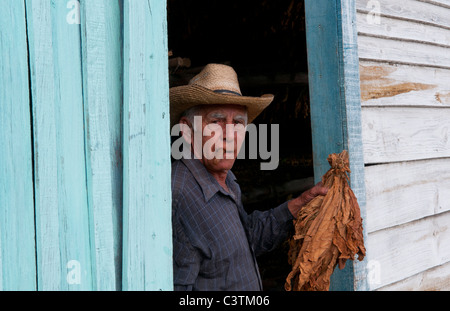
<point x="62" y="216"/>
<point x="17" y="247"/>
<point x="147" y="207"/>
<point x="333" y="63"/>
<point x="102" y="89"/>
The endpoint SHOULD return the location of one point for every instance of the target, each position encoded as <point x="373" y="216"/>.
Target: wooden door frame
<point x="333" y="69"/>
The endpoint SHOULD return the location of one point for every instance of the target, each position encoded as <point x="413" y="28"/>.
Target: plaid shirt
<point x="215" y="242"/>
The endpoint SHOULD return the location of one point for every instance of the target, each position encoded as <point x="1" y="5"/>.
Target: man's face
<point x="220" y="146"/>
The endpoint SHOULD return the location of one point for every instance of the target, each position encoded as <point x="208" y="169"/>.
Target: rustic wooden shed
<point x="85" y="201"/>
<point x="404" y="58"/>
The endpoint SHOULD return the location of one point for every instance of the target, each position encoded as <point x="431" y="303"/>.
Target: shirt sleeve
<point x="186" y="258"/>
<point x="268" y="229"/>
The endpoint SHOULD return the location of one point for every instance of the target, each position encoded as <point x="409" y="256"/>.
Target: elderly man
<point x="215" y="242"/>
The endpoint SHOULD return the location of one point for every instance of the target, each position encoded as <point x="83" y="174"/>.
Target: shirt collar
<point x="209" y="185"/>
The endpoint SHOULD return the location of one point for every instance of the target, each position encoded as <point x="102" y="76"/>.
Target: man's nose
<point x="229" y="132"/>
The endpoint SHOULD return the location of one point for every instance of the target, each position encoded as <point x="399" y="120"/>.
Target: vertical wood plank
<point x="62" y="218"/>
<point x="46" y="187"/>
<point x="102" y="88"/>
<point x="17" y="252"/>
<point x="323" y="71"/>
<point x="147" y="244"/>
<point x="335" y="104"/>
<point x="351" y="101"/>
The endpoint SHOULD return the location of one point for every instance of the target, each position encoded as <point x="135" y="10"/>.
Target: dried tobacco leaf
<point x="328" y="231"/>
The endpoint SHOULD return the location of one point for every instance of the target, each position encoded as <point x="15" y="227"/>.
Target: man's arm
<point x="267" y="229"/>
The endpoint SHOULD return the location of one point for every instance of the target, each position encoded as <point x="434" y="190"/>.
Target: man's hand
<point x="296" y="204"/>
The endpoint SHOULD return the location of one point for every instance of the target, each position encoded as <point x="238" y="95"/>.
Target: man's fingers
<point x="322" y="190"/>
<point x="319" y="189"/>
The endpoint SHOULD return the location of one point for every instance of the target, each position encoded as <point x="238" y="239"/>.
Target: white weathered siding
<point x="405" y="96"/>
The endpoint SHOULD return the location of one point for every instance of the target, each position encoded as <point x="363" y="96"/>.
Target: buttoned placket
<point x="242" y="215"/>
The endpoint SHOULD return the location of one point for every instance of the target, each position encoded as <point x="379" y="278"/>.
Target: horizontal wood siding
<point x="393" y="134"/>
<point x="405" y="98"/>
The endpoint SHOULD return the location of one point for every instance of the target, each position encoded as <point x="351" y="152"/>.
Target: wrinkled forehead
<point x="225" y="110"/>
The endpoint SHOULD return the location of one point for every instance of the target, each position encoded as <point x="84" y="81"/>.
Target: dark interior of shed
<point x="265" y="42"/>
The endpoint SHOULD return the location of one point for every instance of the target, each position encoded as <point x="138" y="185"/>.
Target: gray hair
<point x="190" y="113"/>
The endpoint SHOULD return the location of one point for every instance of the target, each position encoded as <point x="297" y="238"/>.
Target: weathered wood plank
<point x="403" y="52"/>
<point x="442" y="3"/>
<point x="50" y="268"/>
<point x="17" y="252"/>
<point x="402" y="251"/>
<point x="434" y="279"/>
<point x="402" y="85"/>
<point x="147" y="243"/>
<point x="393" y="134"/>
<point x="323" y="64"/>
<point x="418" y="11"/>
<point x="62" y="218"/>
<point x="403" y="30"/>
<point x="102" y="89"/>
<point x="333" y="66"/>
<point x="398" y="193"/>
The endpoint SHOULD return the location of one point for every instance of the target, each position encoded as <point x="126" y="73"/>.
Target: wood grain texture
<point x="147" y="208"/>
<point x="409" y="249"/>
<point x="62" y="216"/>
<point x="405" y="93"/>
<point x="404" y="85"/>
<point x="403" y="52"/>
<point x="393" y="134"/>
<point x="17" y="252"/>
<point x="434" y="279"/>
<point x="398" y="193"/>
<point x="400" y="29"/>
<point x="410" y="10"/>
<point x="102" y="89"/>
<point x="323" y="64"/>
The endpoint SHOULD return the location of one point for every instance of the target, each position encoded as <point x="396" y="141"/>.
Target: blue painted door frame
<point x="333" y="68"/>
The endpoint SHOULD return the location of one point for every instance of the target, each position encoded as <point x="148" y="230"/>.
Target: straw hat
<point x="215" y="84"/>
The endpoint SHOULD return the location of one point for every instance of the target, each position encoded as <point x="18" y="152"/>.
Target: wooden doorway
<point x="265" y="42"/>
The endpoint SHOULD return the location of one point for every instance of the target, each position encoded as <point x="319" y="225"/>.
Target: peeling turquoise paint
<point x="62" y="186"/>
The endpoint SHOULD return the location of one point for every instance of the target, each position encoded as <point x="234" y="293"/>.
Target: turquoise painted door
<point x="85" y="198"/>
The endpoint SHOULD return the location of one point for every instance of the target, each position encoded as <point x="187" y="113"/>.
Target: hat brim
<point x="187" y="96"/>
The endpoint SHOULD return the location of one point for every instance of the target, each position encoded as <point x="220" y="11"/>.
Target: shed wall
<point x="404" y="57"/>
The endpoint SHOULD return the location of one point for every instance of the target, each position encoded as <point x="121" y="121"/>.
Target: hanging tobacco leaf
<point x="328" y="231"/>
